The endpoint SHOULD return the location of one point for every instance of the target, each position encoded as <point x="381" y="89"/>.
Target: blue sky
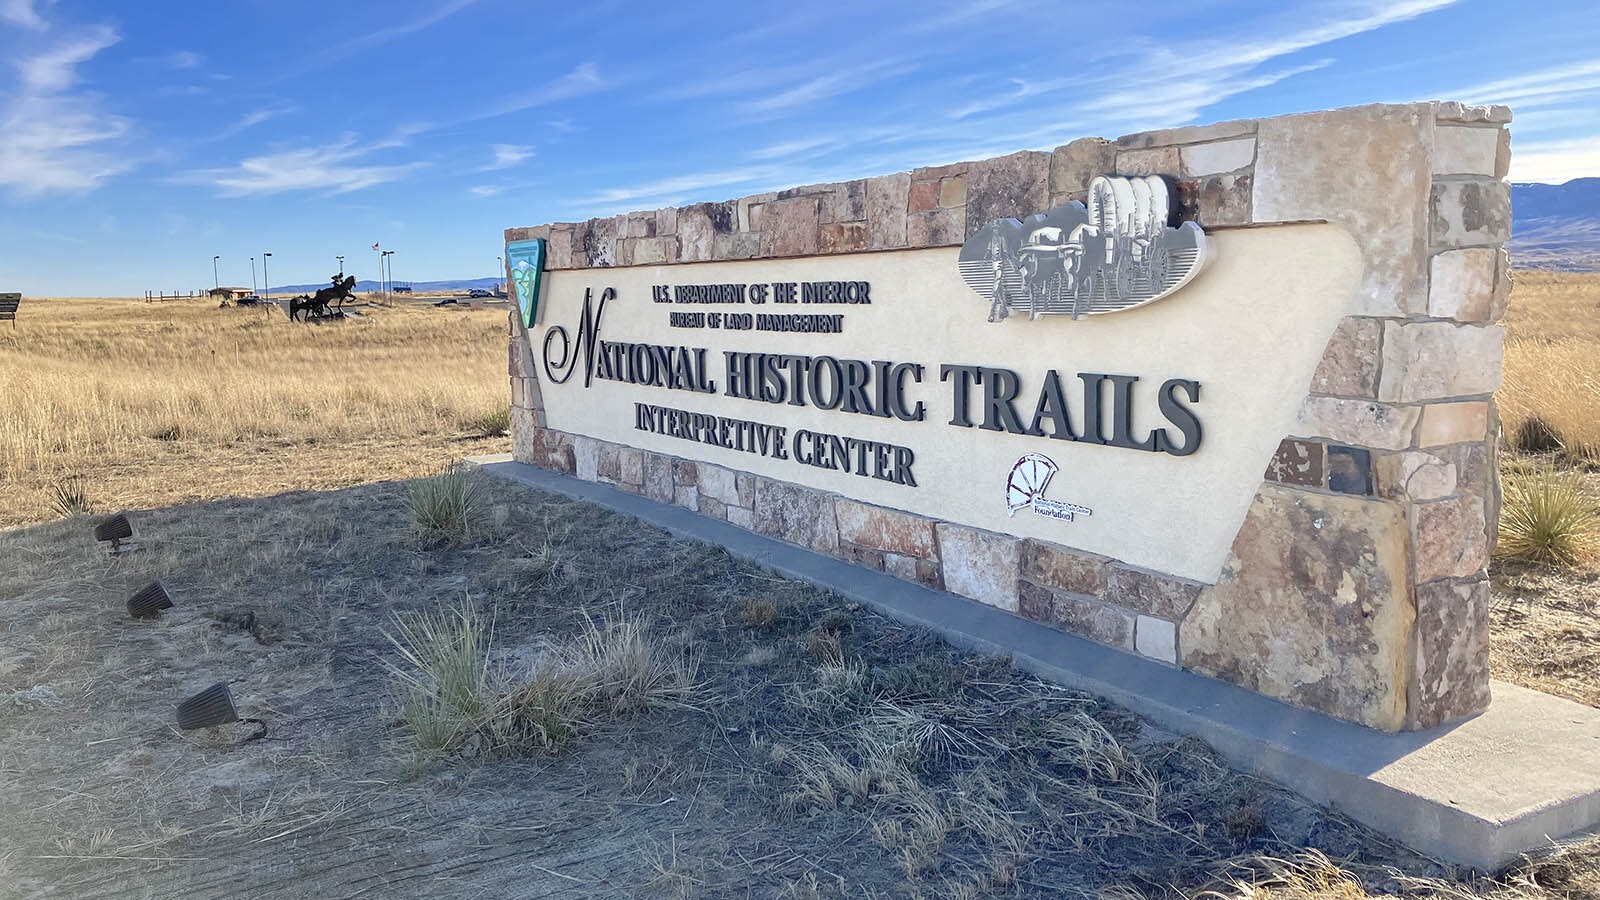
<point x="139" y="140"/>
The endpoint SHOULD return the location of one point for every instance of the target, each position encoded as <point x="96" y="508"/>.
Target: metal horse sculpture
<point x="316" y="307"/>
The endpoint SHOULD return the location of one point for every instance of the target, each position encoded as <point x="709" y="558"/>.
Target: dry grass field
<point x="1552" y="362"/>
<point x="154" y="404"/>
<point x="1545" y="622"/>
<point x="559" y="702"/>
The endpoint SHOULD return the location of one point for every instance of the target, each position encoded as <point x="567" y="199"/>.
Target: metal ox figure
<point x="1116" y="253"/>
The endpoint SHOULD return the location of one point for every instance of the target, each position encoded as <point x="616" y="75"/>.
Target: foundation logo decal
<point x="1026" y="486"/>
<point x="1116" y="253"/>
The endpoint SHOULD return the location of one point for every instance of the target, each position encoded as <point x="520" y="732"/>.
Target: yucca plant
<point x="1548" y="517"/>
<point x="69" y="498"/>
<point x="448" y="506"/>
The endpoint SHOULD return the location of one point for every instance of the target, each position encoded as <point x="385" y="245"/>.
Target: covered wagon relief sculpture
<point x="1116" y="253"/>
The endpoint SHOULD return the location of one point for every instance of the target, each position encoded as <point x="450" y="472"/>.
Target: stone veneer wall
<point x="1357" y="583"/>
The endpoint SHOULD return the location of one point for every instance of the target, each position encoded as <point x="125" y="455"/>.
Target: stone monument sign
<point x="1219" y="396"/>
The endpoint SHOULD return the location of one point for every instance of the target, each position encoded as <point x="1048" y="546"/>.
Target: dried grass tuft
<point x="447" y="507"/>
<point x="454" y="699"/>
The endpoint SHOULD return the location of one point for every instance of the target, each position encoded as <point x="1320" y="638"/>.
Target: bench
<point x="8" y="307"/>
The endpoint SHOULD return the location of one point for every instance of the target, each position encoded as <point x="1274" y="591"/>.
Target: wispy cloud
<point x="56" y="69"/>
<point x="339" y="167"/>
<point x="1537" y="87"/>
<point x="53" y="145"/>
<point x="730" y="81"/>
<point x="53" y="139"/>
<point x="827" y="85"/>
<point x="788" y="149"/>
<point x="670" y="190"/>
<point x="1188" y="77"/>
<point x="327" y="56"/>
<point x="177" y="60"/>
<point x="485" y="190"/>
<point x="582" y="79"/>
<point x="404" y="29"/>
<point x="507" y="156"/>
<point x="21" y="13"/>
<point x="1556" y="162"/>
<point x="252" y="119"/>
<point x="961" y="13"/>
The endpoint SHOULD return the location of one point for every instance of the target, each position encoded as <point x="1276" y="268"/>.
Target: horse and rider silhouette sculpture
<point x="317" y="306"/>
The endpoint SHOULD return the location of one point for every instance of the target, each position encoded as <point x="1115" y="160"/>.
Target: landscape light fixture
<point x="149" y="602"/>
<point x="266" y="283"/>
<point x="116" y="530"/>
<point x="212" y="707"/>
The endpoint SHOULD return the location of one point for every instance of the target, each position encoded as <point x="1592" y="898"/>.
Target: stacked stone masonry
<point x="1391" y="464"/>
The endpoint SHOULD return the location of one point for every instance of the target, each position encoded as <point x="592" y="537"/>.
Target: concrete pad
<point x="1480" y="792"/>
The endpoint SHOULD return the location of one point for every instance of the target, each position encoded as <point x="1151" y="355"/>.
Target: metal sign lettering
<point x="1116" y="253"/>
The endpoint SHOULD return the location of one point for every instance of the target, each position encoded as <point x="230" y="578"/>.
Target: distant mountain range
<point x="362" y="287"/>
<point x="1556" y="226"/>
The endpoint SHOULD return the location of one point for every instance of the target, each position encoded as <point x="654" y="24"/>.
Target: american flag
<point x="374" y="247"/>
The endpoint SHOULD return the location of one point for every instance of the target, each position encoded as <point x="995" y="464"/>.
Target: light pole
<point x="341" y="267"/>
<point x="266" y="281"/>
<point x="215" y="283"/>
<point x="252" y="275"/>
<point x="500" y="273"/>
<point x="385" y="258"/>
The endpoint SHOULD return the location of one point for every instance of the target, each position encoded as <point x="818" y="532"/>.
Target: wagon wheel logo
<point x="1026" y="484"/>
<point x="1029" y="477"/>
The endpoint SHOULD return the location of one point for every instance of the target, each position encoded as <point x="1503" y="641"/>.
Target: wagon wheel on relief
<point x="1083" y="290"/>
<point x="1027" y="481"/>
<point x="1160" y="266"/>
<point x="1122" y="275"/>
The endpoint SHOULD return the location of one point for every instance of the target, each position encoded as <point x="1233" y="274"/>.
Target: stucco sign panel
<point x="870" y="376"/>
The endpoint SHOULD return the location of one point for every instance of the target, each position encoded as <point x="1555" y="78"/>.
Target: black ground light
<point x="149" y="602"/>
<point x="116" y="530"/>
<point x="213" y="706"/>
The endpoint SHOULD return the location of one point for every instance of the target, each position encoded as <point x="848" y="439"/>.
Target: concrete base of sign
<point x="1479" y="792"/>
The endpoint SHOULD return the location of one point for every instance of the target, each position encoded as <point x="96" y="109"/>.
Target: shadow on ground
<point x="827" y="752"/>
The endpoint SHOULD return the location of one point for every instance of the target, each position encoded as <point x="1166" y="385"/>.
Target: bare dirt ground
<point x="1544" y="628"/>
<point x="770" y="782"/>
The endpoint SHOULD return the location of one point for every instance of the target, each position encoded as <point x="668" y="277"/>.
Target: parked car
<point x="479" y="292"/>
<point x="402" y="289"/>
